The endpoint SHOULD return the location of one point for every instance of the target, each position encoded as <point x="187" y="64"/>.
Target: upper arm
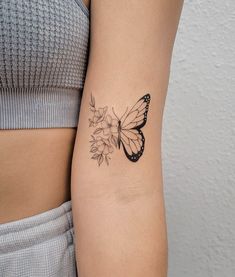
<point x="130" y="53"/>
<point x="131" y="42"/>
<point x="118" y="210"/>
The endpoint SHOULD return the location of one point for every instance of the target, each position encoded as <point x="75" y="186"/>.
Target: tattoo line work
<point x="112" y="132"/>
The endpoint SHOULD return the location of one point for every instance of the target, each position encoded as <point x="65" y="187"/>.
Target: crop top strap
<point x="83" y="7"/>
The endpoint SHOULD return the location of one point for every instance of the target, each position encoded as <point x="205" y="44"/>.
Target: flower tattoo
<point x="111" y="131"/>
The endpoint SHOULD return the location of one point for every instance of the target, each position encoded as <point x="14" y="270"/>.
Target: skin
<point x="118" y="209"/>
<point x="35" y="173"/>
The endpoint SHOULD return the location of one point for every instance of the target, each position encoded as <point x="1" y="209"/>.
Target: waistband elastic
<point x="39" y="107"/>
<point x="36" y="229"/>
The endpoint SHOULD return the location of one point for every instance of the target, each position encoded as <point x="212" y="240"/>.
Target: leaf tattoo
<point x="113" y="132"/>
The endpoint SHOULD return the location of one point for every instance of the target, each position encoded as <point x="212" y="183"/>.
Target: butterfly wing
<point x="137" y="116"/>
<point x="131" y="137"/>
<point x="133" y="143"/>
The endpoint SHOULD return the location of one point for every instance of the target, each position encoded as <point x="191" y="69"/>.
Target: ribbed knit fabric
<point x="43" y="60"/>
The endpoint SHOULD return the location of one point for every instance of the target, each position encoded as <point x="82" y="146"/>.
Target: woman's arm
<point x="118" y="205"/>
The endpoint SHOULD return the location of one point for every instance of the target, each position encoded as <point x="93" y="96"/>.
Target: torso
<point x="35" y="169"/>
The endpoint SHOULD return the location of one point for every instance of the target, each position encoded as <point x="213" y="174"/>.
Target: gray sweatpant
<point x="39" y="246"/>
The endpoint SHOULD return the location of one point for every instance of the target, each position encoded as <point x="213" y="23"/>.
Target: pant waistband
<point x="36" y="229"/>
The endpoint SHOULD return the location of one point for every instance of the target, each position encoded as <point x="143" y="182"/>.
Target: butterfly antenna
<point x="124" y="113"/>
<point x="115" y="113"/>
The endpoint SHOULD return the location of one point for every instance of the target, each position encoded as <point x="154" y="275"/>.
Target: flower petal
<point x="106" y="150"/>
<point x="101" y="148"/>
<point x="113" y="129"/>
<point x="106" y="131"/>
<point x="96" y="113"/>
<point x="104" y="124"/>
<point x="109" y="119"/>
<point x="110" y="149"/>
<point x="114" y="122"/>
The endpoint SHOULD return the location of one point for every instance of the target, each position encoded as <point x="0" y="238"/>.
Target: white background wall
<point x="199" y="142"/>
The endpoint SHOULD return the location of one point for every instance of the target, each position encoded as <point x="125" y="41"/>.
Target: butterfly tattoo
<point x="118" y="132"/>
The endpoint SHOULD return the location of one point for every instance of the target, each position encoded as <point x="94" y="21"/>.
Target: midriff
<point x="35" y="170"/>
